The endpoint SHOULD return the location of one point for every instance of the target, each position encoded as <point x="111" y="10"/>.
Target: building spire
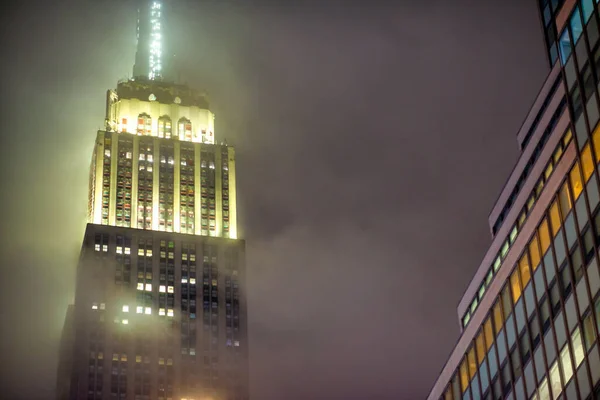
<point x="150" y="52"/>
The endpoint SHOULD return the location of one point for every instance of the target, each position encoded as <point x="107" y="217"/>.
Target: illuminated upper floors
<point x="163" y="185"/>
<point x="159" y="316"/>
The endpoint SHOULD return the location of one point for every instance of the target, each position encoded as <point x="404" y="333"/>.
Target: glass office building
<point x="530" y="316"/>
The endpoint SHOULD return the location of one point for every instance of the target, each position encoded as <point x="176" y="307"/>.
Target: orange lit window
<point x="534" y="253"/>
<point x="596" y="141"/>
<point x="567" y="136"/>
<point x="498" y="317"/>
<point x="515" y="285"/>
<point x="587" y="164"/>
<point x="489" y="334"/>
<point x="464" y="375"/>
<point x="448" y="395"/>
<point x="557" y="153"/>
<point x="555" y="221"/>
<point x="565" y="200"/>
<point x="472" y="364"/>
<point x="524" y="269"/>
<point x="576" y="183"/>
<point x="544" y="235"/>
<point x="480" y="348"/>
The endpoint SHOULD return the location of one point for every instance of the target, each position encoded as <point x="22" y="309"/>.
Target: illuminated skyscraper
<point x="160" y="310"/>
<point x="530" y="316"/>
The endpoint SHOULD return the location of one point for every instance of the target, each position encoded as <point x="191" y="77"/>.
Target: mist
<point x="371" y="144"/>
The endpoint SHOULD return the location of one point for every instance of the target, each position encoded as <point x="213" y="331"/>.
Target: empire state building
<point x="160" y="307"/>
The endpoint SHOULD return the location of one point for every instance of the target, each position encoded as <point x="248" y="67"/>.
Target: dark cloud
<point x="371" y="145"/>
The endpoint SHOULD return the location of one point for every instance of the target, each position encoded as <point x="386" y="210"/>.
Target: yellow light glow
<point x="125" y="322"/>
<point x="125" y="308"/>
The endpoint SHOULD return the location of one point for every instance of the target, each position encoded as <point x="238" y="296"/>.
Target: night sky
<point x="371" y="144"/>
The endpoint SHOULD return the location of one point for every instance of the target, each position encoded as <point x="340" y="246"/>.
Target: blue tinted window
<point x="565" y="46"/>
<point x="588" y="7"/>
<point x="547" y="15"/>
<point x="576" y="26"/>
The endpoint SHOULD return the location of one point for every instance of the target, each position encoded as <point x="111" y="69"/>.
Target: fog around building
<point x="371" y="144"/>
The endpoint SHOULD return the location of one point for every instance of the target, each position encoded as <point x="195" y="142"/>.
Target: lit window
<point x="192" y="257"/>
<point x="161" y="361"/>
<point x="587" y="164"/>
<point x="193" y="281"/>
<point x="115" y="357"/>
<point x="555" y="380"/>
<point x="142" y="157"/>
<point x="138" y="359"/>
<point x="565" y="360"/>
<point x="162" y="288"/>
<point x="565" y="46"/>
<point x="192" y="353"/>
<point x="169" y="361"/>
<point x="150" y="158"/>
<point x="97" y="247"/>
<point x="148" y="310"/>
<point x="105" y="248"/>
<point x="102" y="306"/>
<point x="148" y="287"/>
<point x="184" y="256"/>
<point x="125" y="322"/>
<point x="544" y="391"/>
<point x="183" y="280"/>
<point x="128" y="155"/>
<point x="107" y="153"/>
<point x="161" y="311"/>
<point x="515" y="285"/>
<point x="149" y="253"/>
<point x="125" y="308"/>
<point x="94" y="306"/>
<point x="140" y="252"/>
<point x="127" y="250"/>
<point x="578" y="349"/>
<point x="100" y="356"/>
<point x="576" y="183"/>
<point x="139" y="309"/>
<point x="170" y="289"/>
<point x="236" y="343"/>
<point x="169" y="313"/>
<point x="140" y="286"/>
<point x="119" y="250"/>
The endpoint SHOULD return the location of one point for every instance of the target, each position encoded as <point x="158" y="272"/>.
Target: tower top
<point x="151" y="60"/>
